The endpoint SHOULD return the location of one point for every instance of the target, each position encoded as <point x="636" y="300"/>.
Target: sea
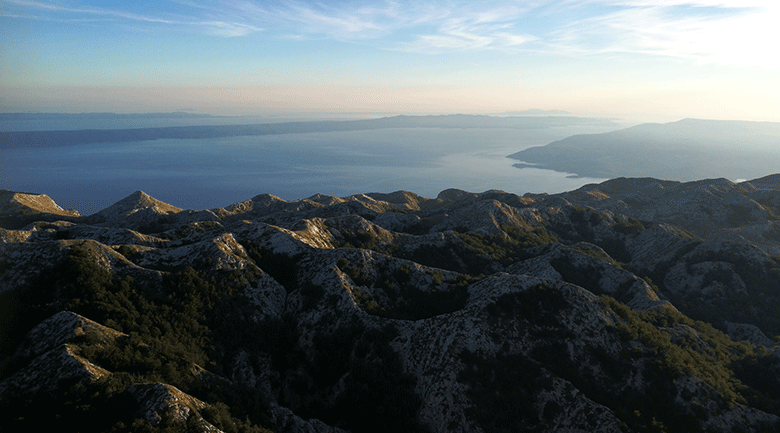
<point x="216" y="172"/>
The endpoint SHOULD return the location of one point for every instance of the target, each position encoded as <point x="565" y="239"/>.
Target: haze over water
<point x="208" y="173"/>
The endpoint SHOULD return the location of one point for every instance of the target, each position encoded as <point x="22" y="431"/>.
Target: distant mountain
<point x="633" y="305"/>
<point x="73" y="137"/>
<point x="105" y="116"/>
<point x="536" y="112"/>
<point x="685" y="150"/>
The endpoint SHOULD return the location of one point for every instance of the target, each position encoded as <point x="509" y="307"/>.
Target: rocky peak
<point x="454" y="194"/>
<point x="473" y="312"/>
<point x="407" y="200"/>
<point x="135" y="202"/>
<point x="325" y="200"/>
<point x="26" y="203"/>
<point x="60" y="329"/>
<point x="18" y="209"/>
<point x="159" y="399"/>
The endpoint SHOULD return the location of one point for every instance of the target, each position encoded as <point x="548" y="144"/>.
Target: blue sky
<point x="653" y="60"/>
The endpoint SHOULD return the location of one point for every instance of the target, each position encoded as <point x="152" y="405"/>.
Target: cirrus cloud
<point x="701" y="31"/>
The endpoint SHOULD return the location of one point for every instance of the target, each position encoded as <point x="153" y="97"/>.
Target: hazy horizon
<point x="210" y="118"/>
<point x="206" y="117"/>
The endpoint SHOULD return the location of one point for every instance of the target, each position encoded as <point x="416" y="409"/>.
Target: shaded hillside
<point x="468" y="312"/>
<point x="686" y="150"/>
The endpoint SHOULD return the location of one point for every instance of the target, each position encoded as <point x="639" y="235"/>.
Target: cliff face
<point x="608" y="308"/>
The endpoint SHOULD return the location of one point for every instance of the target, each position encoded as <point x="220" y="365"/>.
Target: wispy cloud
<point x="89" y="11"/>
<point x="692" y="3"/>
<point x="208" y="24"/>
<point x="409" y="26"/>
<point x="703" y="31"/>
<point x="468" y="29"/>
<point x="338" y="22"/>
<point x="739" y="32"/>
<point x="320" y="20"/>
<point x="228" y="29"/>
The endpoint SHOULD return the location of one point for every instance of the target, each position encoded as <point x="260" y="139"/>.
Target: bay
<point x="208" y="173"/>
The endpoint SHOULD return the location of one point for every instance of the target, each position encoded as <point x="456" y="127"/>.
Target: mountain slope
<point x="18" y="209"/>
<point x="608" y="308"/>
<point x="685" y="150"/>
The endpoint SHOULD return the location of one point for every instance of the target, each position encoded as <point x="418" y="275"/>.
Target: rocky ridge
<point x="608" y="308"/>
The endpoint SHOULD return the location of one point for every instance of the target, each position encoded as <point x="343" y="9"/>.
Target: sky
<point x="651" y="60"/>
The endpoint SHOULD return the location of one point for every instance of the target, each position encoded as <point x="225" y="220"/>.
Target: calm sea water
<point x="208" y="173"/>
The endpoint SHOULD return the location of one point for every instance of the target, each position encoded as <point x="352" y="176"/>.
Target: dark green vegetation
<point x="673" y="346"/>
<point x="407" y="300"/>
<point x="470" y="312"/>
<point x="167" y="333"/>
<point x="191" y="319"/>
<point x="730" y="269"/>
<point x="476" y="253"/>
<point x="663" y="346"/>
<point x="583" y="227"/>
<point x="507" y="386"/>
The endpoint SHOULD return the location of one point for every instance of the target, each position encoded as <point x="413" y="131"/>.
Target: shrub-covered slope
<point x="393" y="312"/>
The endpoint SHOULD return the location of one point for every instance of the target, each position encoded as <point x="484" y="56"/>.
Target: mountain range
<point x="636" y="304"/>
<point x="685" y="150"/>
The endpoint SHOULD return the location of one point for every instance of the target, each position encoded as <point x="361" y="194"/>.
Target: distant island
<point x="72" y="137"/>
<point x="685" y="150"/>
<point x="39" y="116"/>
<point x="535" y="112"/>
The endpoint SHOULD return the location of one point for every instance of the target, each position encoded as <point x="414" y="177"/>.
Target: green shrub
<point x="628" y="226"/>
<point x="740" y="372"/>
<point x="166" y="323"/>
